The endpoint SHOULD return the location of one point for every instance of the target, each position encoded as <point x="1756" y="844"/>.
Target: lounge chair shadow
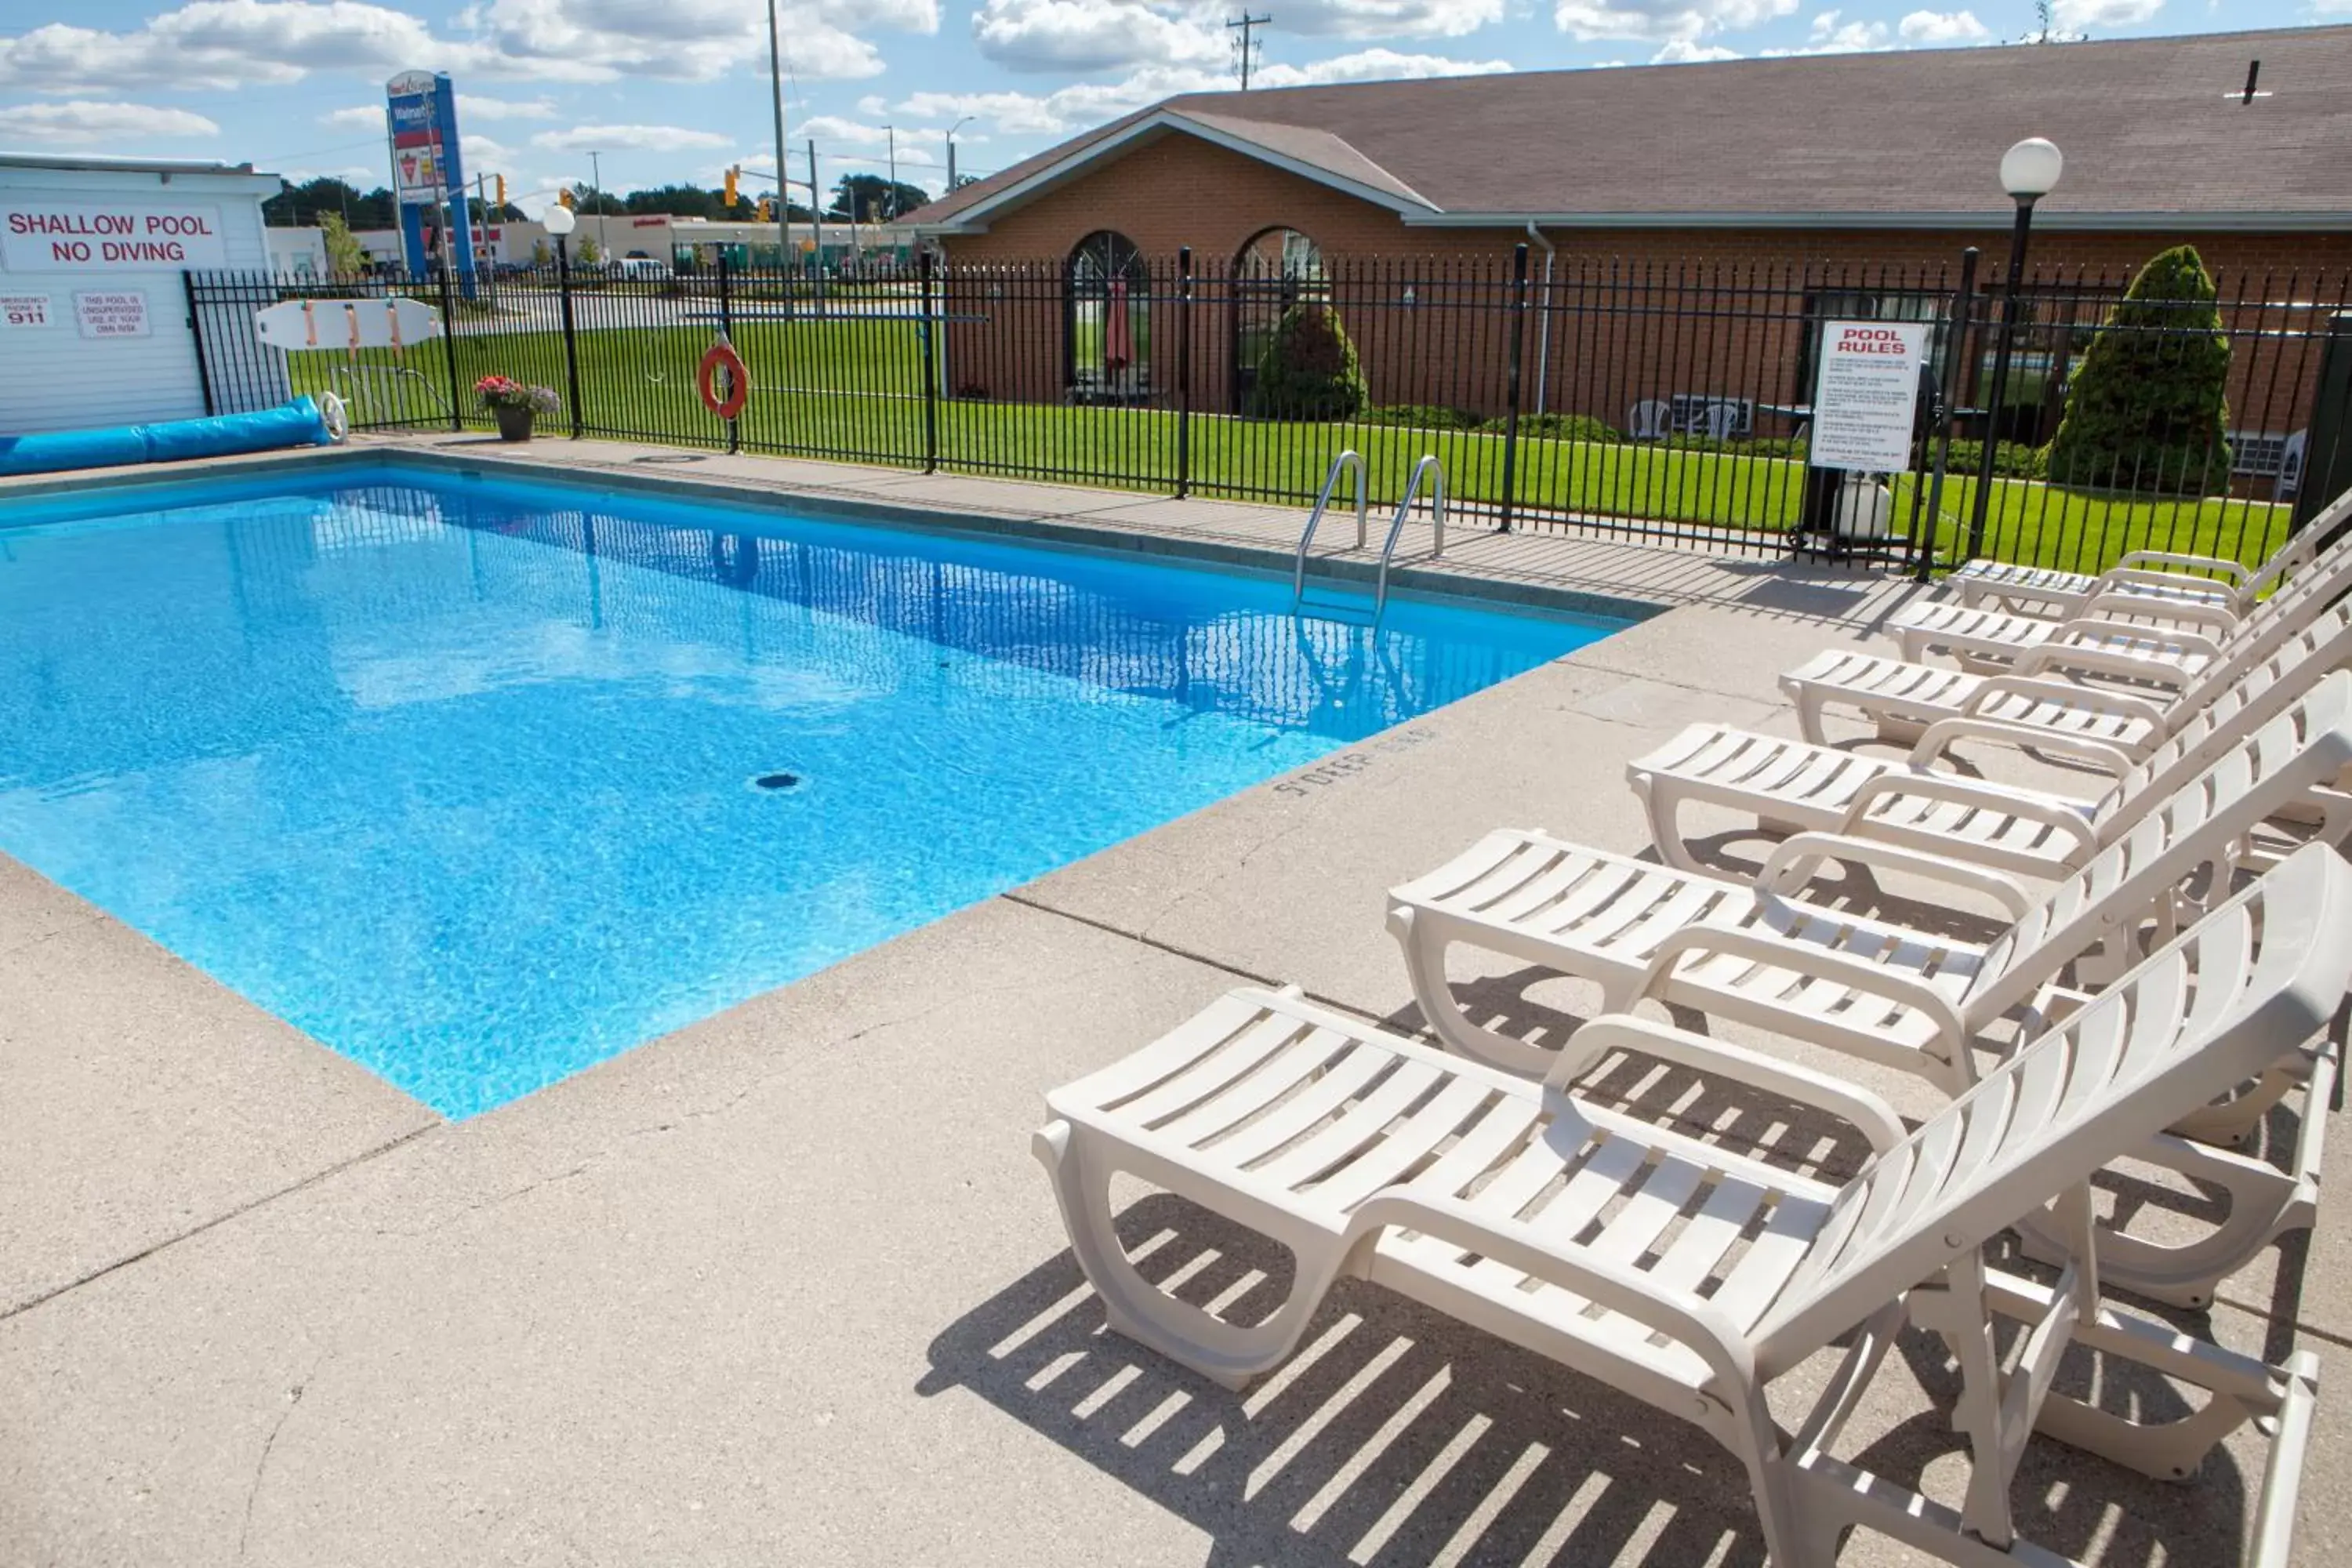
<point x="1736" y="1118"/>
<point x="1397" y="1436"/>
<point x="1394" y="1436"/>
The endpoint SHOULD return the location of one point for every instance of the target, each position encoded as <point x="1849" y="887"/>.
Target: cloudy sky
<point x="672" y="90"/>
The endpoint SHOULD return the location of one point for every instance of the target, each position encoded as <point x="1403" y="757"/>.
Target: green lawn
<point x="852" y="387"/>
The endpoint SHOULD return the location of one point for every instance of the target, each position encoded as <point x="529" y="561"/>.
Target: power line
<point x="1245" y="46"/>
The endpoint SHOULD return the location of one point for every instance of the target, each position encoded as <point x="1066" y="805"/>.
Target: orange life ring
<point x="722" y="354"/>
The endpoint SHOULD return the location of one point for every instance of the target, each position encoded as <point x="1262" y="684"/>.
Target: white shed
<point x="95" y="326"/>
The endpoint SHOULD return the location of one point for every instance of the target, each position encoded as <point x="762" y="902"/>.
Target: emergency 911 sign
<point x="1866" y="394"/>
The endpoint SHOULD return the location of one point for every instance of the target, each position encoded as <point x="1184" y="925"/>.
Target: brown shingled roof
<point x="2148" y="125"/>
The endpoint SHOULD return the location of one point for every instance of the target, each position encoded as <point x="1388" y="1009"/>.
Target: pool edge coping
<point x="1074" y="531"/>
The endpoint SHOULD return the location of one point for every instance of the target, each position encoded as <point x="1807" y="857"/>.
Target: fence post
<point x="571" y="338"/>
<point x="1511" y="385"/>
<point x="931" y="369"/>
<point x="196" y="335"/>
<point x="727" y="334"/>
<point x="1954" y="344"/>
<point x="449" y="351"/>
<point x="1183" y="372"/>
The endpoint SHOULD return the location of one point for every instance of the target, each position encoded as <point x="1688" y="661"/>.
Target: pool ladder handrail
<point x="1428" y="465"/>
<point x="1348" y="460"/>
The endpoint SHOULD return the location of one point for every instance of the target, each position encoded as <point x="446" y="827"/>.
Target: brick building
<point x="1850" y="183"/>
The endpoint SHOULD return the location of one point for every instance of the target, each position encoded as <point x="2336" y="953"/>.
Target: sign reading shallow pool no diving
<point x="1866" y="393"/>
<point x="57" y="237"/>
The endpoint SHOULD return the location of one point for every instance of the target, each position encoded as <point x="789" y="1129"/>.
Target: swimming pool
<point x="480" y="783"/>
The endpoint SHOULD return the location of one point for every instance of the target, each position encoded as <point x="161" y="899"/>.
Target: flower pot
<point x="514" y="424"/>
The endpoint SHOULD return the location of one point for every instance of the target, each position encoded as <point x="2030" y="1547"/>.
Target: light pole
<point x="890" y="202"/>
<point x="2029" y="172"/>
<point x="596" y="177"/>
<point x="559" y="220"/>
<point x="952" y="130"/>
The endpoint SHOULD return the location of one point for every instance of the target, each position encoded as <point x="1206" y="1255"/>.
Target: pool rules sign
<point x="1867" y="394"/>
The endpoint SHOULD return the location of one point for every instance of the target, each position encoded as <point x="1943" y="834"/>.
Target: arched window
<point x="1274" y="269"/>
<point x="1108" y="306"/>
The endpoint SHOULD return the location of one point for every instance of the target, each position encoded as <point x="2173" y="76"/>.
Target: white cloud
<point x="359" y="117"/>
<point x="1665" y="20"/>
<point x="1083" y="104"/>
<point x="1832" y="34"/>
<point x="473" y="106"/>
<point x="1389" y="19"/>
<point x="1375" y="65"/>
<point x="1941" y="27"/>
<point x="1094" y="35"/>
<point x="2072" y="13"/>
<point x="238" y="45"/>
<point x="1682" y="52"/>
<point x="89" y="123"/>
<point x="627" y="138"/>
<point x="873" y="104"/>
<point x="222" y="44"/>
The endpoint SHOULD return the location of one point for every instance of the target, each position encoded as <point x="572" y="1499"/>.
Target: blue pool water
<point x="458" y="776"/>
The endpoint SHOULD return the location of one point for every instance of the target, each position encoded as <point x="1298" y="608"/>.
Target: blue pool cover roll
<point x="295" y="423"/>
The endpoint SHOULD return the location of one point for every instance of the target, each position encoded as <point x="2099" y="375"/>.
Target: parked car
<point x="640" y="269"/>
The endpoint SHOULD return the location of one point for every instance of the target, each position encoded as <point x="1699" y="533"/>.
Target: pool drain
<point x="776" y="781"/>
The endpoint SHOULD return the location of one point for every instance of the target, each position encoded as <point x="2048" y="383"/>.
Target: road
<point x="527" y="309"/>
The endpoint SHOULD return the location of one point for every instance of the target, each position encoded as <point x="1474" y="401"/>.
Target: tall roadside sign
<point x="428" y="173"/>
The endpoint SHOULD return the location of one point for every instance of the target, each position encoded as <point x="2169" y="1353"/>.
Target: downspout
<point x="1543" y="330"/>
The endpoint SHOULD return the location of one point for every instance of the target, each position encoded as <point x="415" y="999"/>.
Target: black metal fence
<point x="1649" y="402"/>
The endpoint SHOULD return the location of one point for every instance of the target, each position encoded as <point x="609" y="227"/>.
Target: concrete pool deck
<point x="785" y="1285"/>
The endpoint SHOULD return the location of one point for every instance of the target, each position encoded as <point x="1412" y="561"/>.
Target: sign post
<point x="1866" y="405"/>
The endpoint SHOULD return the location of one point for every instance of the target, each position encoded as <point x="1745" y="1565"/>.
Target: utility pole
<point x="783" y="186"/>
<point x="1245" y="46"/>
<point x="890" y="202"/>
<point x="817" y="225"/>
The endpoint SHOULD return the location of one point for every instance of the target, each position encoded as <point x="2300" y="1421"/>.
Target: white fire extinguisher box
<point x="95" y="326"/>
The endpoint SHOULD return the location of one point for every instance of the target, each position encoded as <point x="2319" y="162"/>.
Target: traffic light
<point x="564" y="195"/>
<point x="767" y="209"/>
<point x="734" y="175"/>
<point x="502" y="193"/>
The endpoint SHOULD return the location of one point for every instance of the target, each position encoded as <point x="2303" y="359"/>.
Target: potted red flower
<point x="515" y="404"/>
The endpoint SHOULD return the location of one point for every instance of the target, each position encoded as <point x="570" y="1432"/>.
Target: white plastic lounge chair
<point x="1979" y="635"/>
<point x="1752" y="952"/>
<point x="2192" y="578"/>
<point x="1692" y="1280"/>
<point x="2042" y="691"/>
<point x="1793" y="785"/>
<point x="1756" y="951"/>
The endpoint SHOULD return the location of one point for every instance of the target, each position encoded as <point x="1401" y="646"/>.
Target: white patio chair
<point x="1691" y="1279"/>
<point x="1755" y="953"/>
<point x="1652" y="419"/>
<point x="1791" y="785"/>
<point x="2044" y="689"/>
<point x="1976" y="635"/>
<point x="2190" y="578"/>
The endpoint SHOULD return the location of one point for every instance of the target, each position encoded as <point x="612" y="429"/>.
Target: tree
<point x="870" y="198"/>
<point x="588" y="201"/>
<point x="540" y="255"/>
<point x="2149" y="407"/>
<point x="678" y="201"/>
<point x="591" y="253"/>
<point x="2046" y="29"/>
<point x="491" y="212"/>
<point x="1308" y="370"/>
<point x="345" y="257"/>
